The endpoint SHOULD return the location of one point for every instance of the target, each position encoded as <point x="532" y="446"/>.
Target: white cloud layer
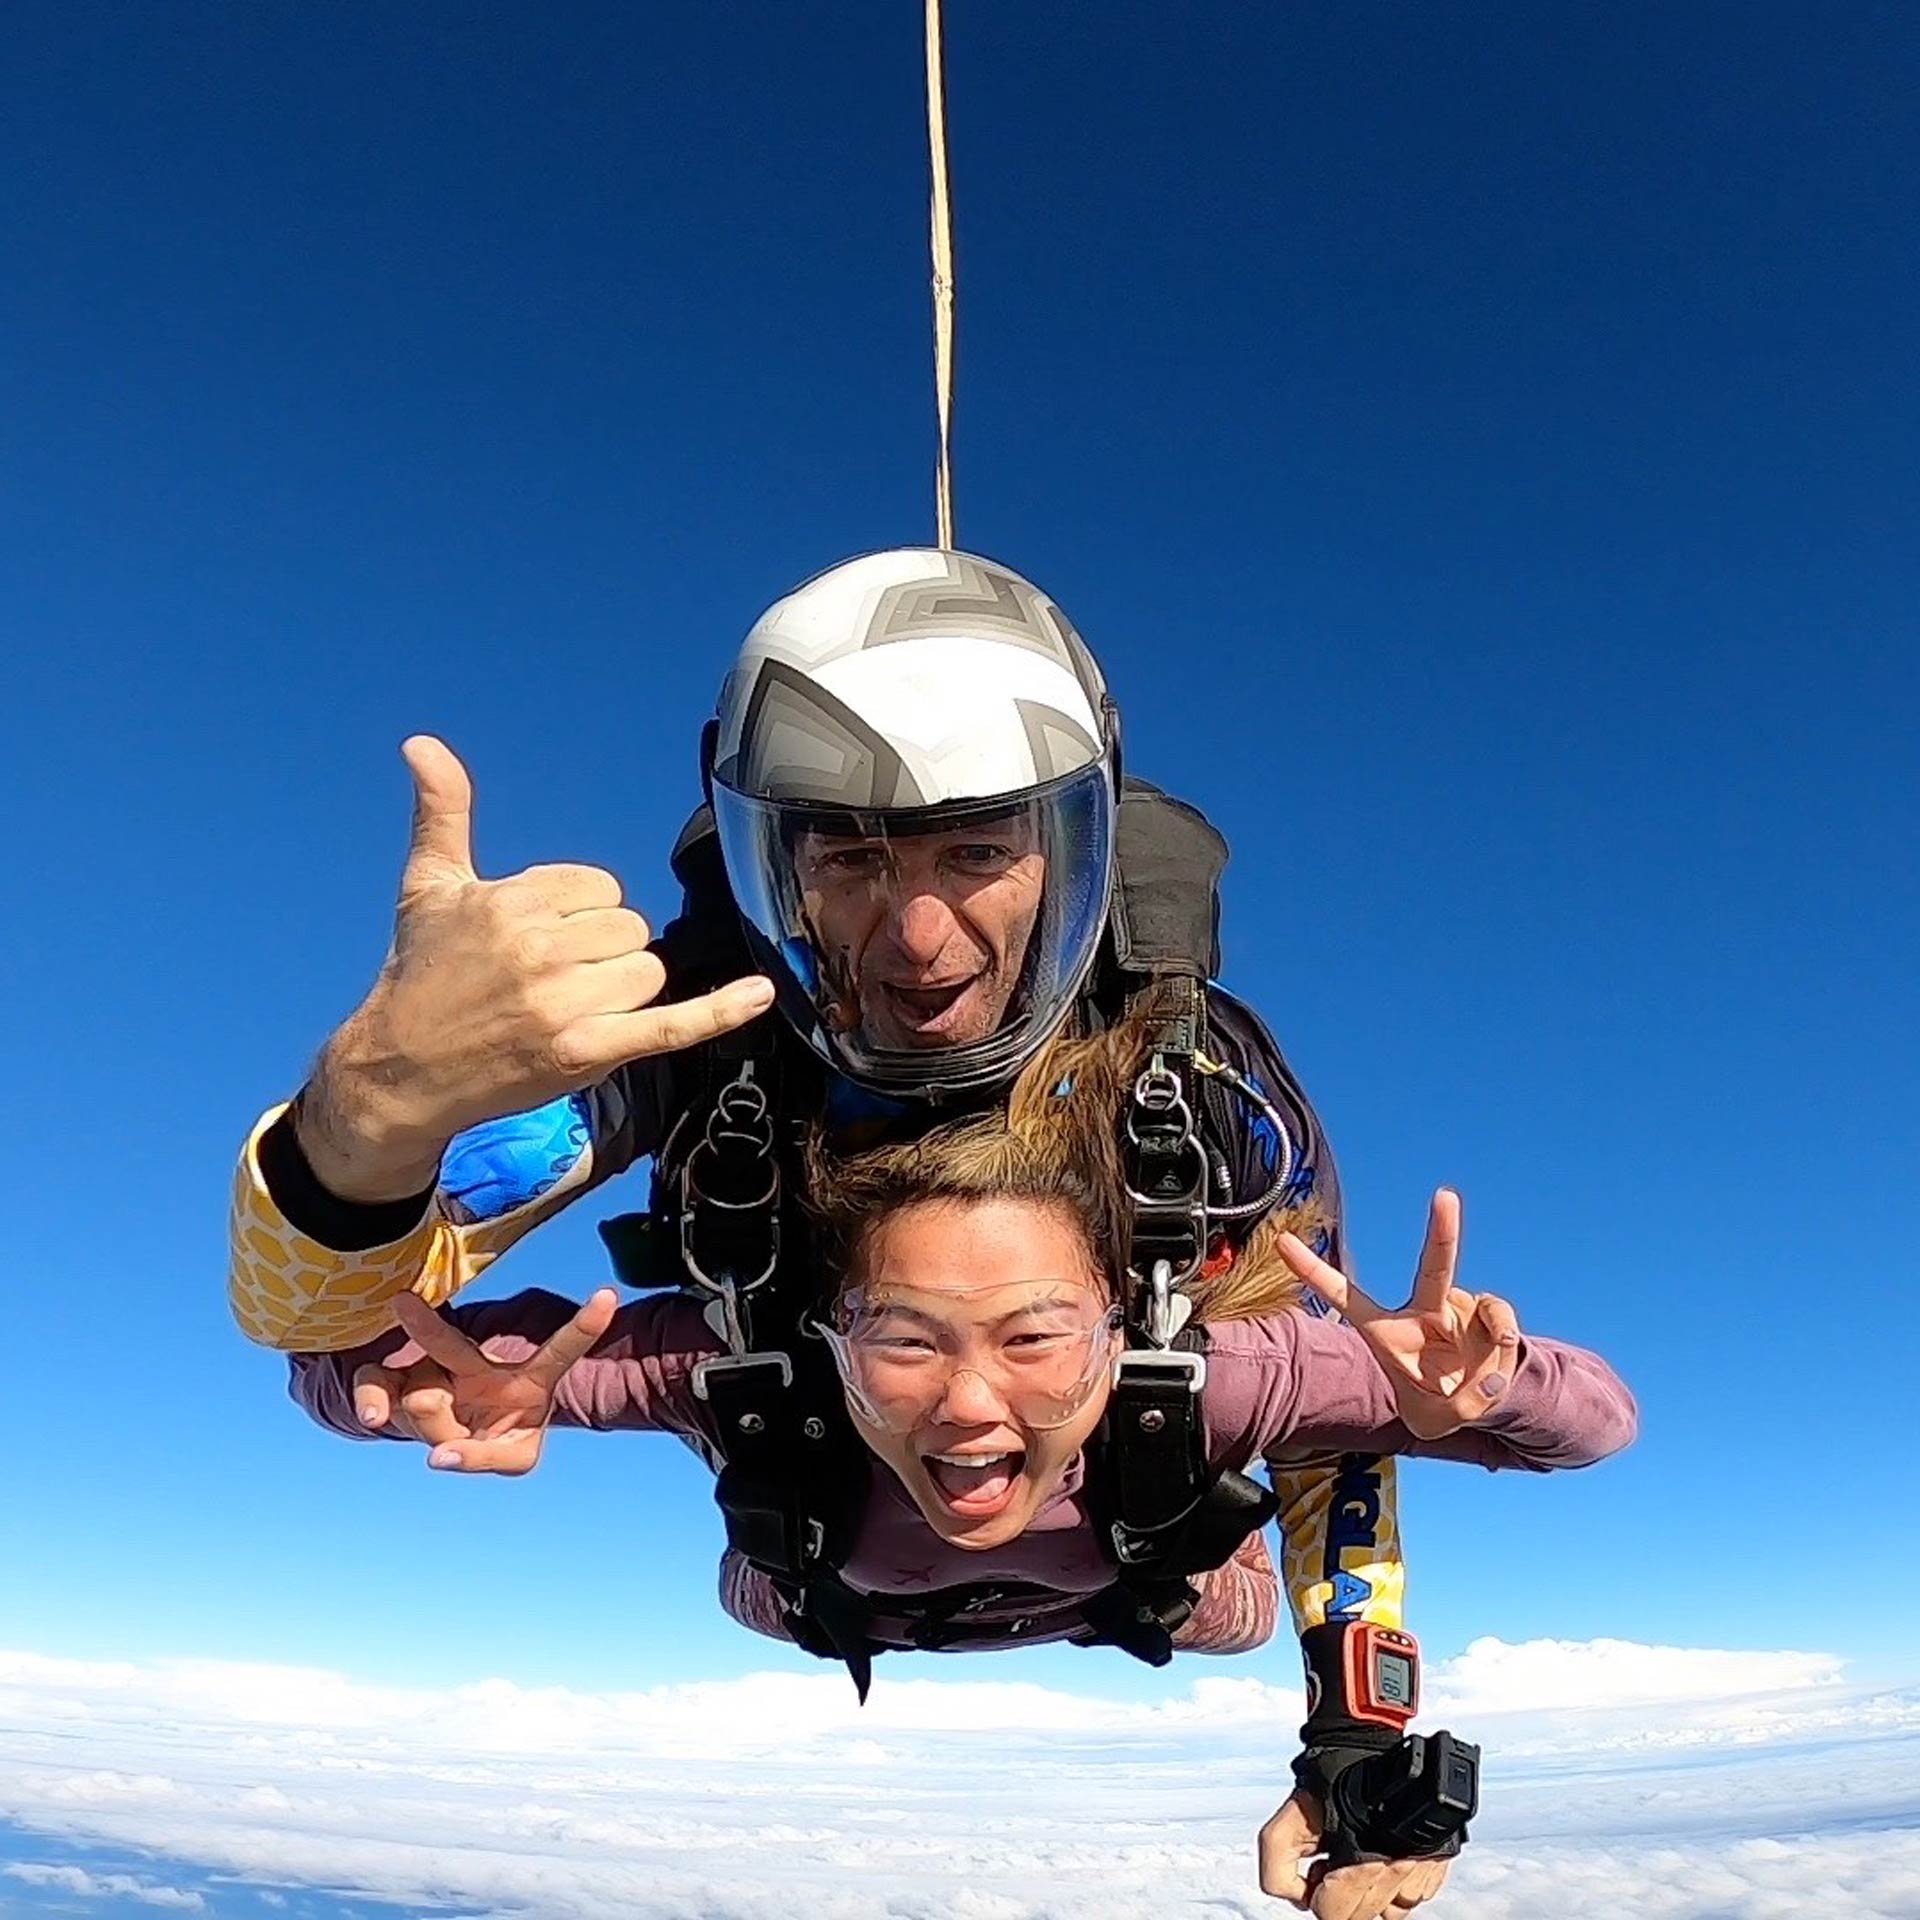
<point x="1625" y="1780"/>
<point x="103" y="1886"/>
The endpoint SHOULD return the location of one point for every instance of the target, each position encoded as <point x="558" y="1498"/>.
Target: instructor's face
<point x="922" y="937"/>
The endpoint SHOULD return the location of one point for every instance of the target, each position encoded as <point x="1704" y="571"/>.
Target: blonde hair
<point x="1057" y="1143"/>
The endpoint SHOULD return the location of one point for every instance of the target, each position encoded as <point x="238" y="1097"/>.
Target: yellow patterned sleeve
<point x="291" y="1293"/>
<point x="1340" y="1536"/>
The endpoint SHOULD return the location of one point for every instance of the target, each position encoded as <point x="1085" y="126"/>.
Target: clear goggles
<point x="1042" y="1349"/>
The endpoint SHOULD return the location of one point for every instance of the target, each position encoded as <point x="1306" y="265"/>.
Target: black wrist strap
<point x="1323" y="1650"/>
<point x="310" y="1208"/>
<point x="1333" y="1749"/>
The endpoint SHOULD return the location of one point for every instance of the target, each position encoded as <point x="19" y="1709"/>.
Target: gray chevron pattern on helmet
<point x="805" y="745"/>
<point x="980" y="598"/>
<point x="809" y="747"/>
<point x="1058" y="742"/>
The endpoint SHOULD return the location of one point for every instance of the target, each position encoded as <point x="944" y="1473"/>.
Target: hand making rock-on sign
<point x="497" y="995"/>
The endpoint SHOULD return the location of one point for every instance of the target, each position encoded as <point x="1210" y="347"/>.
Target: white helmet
<point x="913" y="774"/>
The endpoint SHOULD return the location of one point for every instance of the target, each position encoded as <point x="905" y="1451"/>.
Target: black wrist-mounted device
<point x="1386" y="1794"/>
<point x="1411" y="1802"/>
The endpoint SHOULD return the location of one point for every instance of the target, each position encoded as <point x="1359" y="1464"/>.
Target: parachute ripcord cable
<point x="942" y="240"/>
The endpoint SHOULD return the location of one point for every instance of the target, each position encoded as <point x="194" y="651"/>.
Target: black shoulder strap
<point x="791" y="1490"/>
<point x="792" y="1476"/>
<point x="1162" y="1512"/>
<point x="1162" y="1151"/>
<point x="1158" y="1512"/>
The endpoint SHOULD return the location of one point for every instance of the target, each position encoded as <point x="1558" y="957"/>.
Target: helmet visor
<point x="930" y="947"/>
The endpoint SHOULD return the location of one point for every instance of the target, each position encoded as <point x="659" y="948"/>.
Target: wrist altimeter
<point x="1386" y="1794"/>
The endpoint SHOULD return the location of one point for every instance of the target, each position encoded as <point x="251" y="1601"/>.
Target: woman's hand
<point x="478" y="1415"/>
<point x="1449" y="1356"/>
<point x="1368" y="1890"/>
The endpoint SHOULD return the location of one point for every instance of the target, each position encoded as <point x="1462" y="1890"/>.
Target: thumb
<point x="1286" y="1842"/>
<point x="441" y="848"/>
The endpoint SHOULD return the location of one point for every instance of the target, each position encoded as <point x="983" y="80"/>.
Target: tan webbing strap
<point x="942" y="222"/>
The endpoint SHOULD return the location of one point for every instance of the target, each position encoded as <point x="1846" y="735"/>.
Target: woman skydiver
<point x="972" y="1305"/>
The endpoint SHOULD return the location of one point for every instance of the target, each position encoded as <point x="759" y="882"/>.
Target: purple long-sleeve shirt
<point x="1282" y="1383"/>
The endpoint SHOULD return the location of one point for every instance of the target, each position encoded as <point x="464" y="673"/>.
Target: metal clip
<point x="1170" y="1210"/>
<point x="741" y="1120"/>
<point x="1151" y="1360"/>
<point x="1167" y="1311"/>
<point x="739" y="1363"/>
<point x="1158" y="1092"/>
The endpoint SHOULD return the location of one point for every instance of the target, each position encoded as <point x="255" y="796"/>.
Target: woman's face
<point x="977" y="1350"/>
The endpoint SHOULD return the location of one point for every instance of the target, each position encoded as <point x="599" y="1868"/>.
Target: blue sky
<point x="1479" y="442"/>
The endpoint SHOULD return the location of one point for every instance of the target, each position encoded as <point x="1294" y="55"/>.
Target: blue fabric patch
<point x="848" y="1104"/>
<point x="501" y="1165"/>
<point x="1261" y="1130"/>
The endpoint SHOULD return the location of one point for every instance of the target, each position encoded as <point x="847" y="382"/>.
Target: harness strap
<point x="1162" y="1151"/>
<point x="1155" y="1450"/>
<point x="828" y="1619"/>
<point x="762" y="1435"/>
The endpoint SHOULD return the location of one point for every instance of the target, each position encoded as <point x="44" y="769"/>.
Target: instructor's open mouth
<point x="925" y="1008"/>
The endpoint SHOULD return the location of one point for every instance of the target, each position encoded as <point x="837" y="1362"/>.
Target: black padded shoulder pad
<point x="696" y="860"/>
<point x="703" y="946"/>
<point x="1166" y="903"/>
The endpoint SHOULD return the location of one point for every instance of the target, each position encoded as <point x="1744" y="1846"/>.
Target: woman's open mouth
<point x="975" y="1486"/>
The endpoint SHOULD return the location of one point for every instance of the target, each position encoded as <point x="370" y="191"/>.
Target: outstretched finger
<point x="604" y="1041"/>
<point x="440" y="848"/>
<point x="575" y="1340"/>
<point x="1328" y="1281"/>
<point x="1439" y="1254"/>
<point x="512" y="1453"/>
<point x="436" y="1338"/>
